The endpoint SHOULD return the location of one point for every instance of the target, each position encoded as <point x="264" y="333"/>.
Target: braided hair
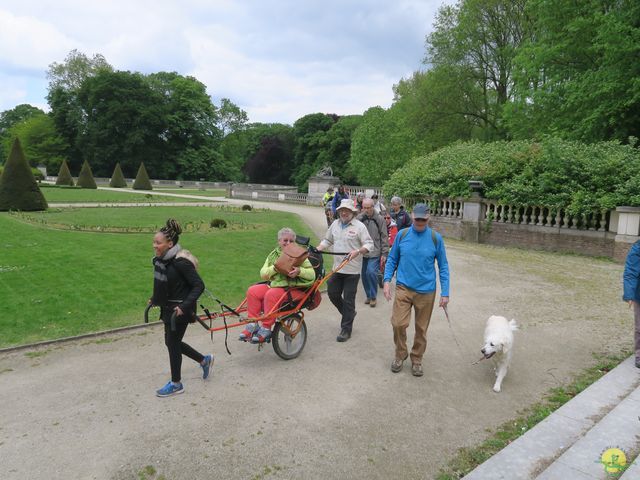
<point x="172" y="230"/>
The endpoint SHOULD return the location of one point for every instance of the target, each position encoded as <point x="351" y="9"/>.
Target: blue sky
<point x="278" y="60"/>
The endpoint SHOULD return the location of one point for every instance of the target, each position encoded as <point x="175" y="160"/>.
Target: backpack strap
<point x="434" y="239"/>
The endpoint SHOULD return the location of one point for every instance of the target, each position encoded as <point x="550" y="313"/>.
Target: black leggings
<point x="177" y="348"/>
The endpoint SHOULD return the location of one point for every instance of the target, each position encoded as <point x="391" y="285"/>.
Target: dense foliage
<point x="550" y="173"/>
<point x="18" y="187"/>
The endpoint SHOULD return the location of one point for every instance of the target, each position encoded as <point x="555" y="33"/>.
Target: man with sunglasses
<point x="412" y="258"/>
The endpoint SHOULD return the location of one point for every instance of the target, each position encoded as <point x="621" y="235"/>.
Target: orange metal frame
<point x="275" y="313"/>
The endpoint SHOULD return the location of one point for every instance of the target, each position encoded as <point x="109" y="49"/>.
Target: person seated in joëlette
<point x="263" y="298"/>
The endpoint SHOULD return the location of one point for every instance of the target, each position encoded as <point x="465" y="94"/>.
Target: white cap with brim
<point x="347" y="203"/>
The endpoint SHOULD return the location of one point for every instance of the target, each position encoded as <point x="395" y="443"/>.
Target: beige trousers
<point x="422" y="303"/>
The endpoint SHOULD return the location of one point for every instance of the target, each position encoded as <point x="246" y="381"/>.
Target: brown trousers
<point x="422" y="303"/>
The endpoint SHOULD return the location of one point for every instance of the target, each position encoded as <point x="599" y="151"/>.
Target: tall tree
<point x="310" y="142"/>
<point x="9" y="118"/>
<point x="125" y="123"/>
<point x="337" y="152"/>
<point x="579" y="76"/>
<point x="65" y="81"/>
<point x="231" y="118"/>
<point x="40" y="141"/>
<point x="191" y="137"/>
<point x="477" y="41"/>
<point x="271" y="160"/>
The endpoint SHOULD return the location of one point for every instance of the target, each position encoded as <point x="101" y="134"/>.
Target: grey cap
<point x="420" y="210"/>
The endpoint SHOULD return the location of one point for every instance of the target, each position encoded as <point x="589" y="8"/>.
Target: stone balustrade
<point x="541" y="216"/>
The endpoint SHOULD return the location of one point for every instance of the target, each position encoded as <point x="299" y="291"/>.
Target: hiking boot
<point x="261" y="336"/>
<point x="397" y="364"/>
<point x="373" y="303"/>
<point x="170" y="389"/>
<point x="416" y="370"/>
<point x="637" y="362"/>
<point x="344" y="336"/>
<point x="367" y="301"/>
<point x="247" y="333"/>
<point x="206" y="366"/>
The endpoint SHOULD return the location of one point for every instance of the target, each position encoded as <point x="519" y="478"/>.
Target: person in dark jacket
<point x="176" y="288"/>
<point x="373" y="261"/>
<point x="631" y="294"/>
<point x="340" y="195"/>
<point x="399" y="214"/>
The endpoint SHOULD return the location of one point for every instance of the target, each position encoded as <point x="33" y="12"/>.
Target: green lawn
<point x="85" y="195"/>
<point x="55" y="283"/>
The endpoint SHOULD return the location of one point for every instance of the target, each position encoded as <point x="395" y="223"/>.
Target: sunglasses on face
<point x="420" y="220"/>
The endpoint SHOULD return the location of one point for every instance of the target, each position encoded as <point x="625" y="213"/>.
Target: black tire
<point x="285" y="346"/>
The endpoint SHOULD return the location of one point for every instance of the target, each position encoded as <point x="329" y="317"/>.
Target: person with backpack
<point x="412" y="259"/>
<point x="176" y="289"/>
<point x="631" y="292"/>
<point x="374" y="259"/>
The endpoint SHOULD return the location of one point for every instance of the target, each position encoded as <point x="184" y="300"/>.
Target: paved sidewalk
<point x="87" y="409"/>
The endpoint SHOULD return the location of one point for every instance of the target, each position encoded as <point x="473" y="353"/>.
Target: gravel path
<point x="86" y="409"/>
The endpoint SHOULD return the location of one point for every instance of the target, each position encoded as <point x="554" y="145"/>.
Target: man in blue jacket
<point x="340" y="195"/>
<point x="412" y="258"/>
<point x="631" y="293"/>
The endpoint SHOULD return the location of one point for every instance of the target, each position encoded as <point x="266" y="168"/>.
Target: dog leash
<point x="446" y="313"/>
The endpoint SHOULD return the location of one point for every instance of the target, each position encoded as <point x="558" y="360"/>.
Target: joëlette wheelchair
<point x="289" y="331"/>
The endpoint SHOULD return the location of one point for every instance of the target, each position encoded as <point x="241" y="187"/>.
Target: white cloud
<point x="277" y="59"/>
<point x="28" y="43"/>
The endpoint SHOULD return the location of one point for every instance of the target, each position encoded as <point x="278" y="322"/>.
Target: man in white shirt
<point x="346" y="234"/>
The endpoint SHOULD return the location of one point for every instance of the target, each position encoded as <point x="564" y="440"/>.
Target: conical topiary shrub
<point x="64" y="175"/>
<point x="117" y="179"/>
<point x="85" y="179"/>
<point x="18" y="187"/>
<point x="142" y="181"/>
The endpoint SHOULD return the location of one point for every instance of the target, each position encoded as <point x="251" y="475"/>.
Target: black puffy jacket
<point x="185" y="287"/>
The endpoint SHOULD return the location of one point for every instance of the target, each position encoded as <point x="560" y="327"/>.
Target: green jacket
<point x="268" y="272"/>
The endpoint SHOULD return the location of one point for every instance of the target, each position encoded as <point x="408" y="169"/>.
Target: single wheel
<point x="289" y="336"/>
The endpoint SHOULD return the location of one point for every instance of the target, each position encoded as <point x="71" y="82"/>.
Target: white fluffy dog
<point x="498" y="339"/>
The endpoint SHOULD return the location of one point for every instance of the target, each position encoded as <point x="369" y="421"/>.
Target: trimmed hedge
<point x="142" y="181"/>
<point x="117" y="179"/>
<point x="85" y="179"/>
<point x="552" y="173"/>
<point x="64" y="175"/>
<point x="18" y="187"/>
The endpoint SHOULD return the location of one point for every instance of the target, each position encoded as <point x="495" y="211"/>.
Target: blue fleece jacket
<point x="412" y="258"/>
<point x="631" y="274"/>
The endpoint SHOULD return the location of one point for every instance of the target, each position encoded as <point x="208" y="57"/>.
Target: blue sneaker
<point x="208" y="361"/>
<point x="170" y="389"/>
<point x="261" y="336"/>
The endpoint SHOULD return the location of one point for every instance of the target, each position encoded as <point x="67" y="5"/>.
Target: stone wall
<point x="601" y="234"/>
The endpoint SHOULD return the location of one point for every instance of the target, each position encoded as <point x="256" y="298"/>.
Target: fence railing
<point x="541" y="216"/>
<point x="270" y="196"/>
